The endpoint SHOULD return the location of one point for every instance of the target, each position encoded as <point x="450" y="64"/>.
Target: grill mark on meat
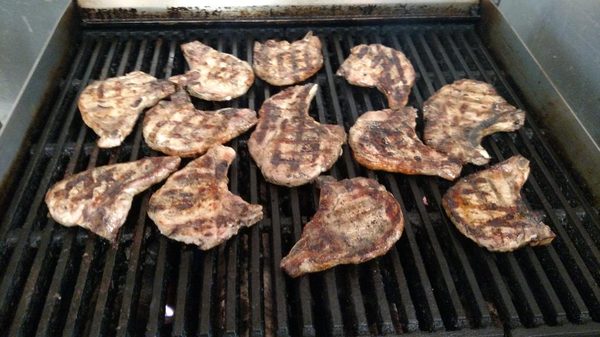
<point x="460" y="114"/>
<point x="175" y="127"/>
<point x="295" y="66"/>
<point x="136" y="103"/>
<point x="377" y="136"/>
<point x="288" y="145"/>
<point x="487" y="208"/>
<point x="397" y="63"/>
<point x="111" y="107"/>
<point x="194" y="205"/>
<point x="362" y="51"/>
<point x="221" y="170"/>
<point x="101" y="90"/>
<point x="279" y="66"/>
<point x="282" y="63"/>
<point x="357" y="220"/>
<point x="386" y="140"/>
<point x="99" y="199"/>
<point x="384" y="68"/>
<point x="214" y="75"/>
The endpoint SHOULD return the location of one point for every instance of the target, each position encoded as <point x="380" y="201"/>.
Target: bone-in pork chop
<point x="213" y="75"/>
<point x="175" y="127"/>
<point x="487" y="207"/>
<point x="288" y="145"/>
<point x="100" y="198"/>
<point x="357" y="220"/>
<point x="284" y="63"/>
<point x="386" y="140"/>
<point x="194" y="205"/>
<point x="111" y="107"/>
<point x="387" y="69"/>
<point x="460" y="114"/>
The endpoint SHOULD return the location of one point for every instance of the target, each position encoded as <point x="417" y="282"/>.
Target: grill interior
<point x="64" y="281"/>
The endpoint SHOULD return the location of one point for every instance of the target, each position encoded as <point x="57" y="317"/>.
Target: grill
<point x="59" y="281"/>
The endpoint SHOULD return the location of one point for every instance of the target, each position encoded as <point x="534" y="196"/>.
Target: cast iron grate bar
<point x="255" y="272"/>
<point x="380" y="304"/>
<point x="23" y="310"/>
<point x="357" y="303"/>
<point x="572" y="294"/>
<point x="591" y="284"/>
<point x="65" y="281"/>
<point x="554" y="305"/>
<point x="523" y="290"/>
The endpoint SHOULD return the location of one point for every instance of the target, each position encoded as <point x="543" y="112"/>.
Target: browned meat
<point x="100" y="198"/>
<point x="357" y="220"/>
<point x="194" y="205"/>
<point x="112" y="106"/>
<point x="460" y="114"/>
<point x="487" y="208"/>
<point x="284" y="63"/>
<point x="382" y="67"/>
<point x="213" y="75"/>
<point x="386" y="140"/>
<point x="288" y="145"/>
<point x="175" y="127"/>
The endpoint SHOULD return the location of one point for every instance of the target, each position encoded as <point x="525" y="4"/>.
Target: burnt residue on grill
<point x="66" y="281"/>
<point x="275" y="12"/>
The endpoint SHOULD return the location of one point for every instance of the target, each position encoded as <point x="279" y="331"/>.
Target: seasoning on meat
<point x="357" y="220"/>
<point x="487" y="207"/>
<point x="100" y="198"/>
<point x="460" y="114"/>
<point x="288" y="145"/>
<point x="175" y="127"/>
<point x="387" y="69"/>
<point x="111" y="107"/>
<point x="386" y="140"/>
<point x="283" y="63"/>
<point x="213" y="75"/>
<point x="194" y="205"/>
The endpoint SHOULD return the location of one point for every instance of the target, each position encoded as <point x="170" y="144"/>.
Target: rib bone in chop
<point x="487" y="208"/>
<point x="100" y="198"/>
<point x="357" y="220"/>
<point x="284" y="63"/>
<point x="175" y="127"/>
<point x="194" y="205"/>
<point x="111" y="107"/>
<point x="460" y="114"/>
<point x="386" y="140"/>
<point x="379" y="66"/>
<point x="288" y="145"/>
<point x="213" y="75"/>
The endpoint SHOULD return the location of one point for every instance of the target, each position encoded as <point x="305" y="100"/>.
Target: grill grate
<point x="63" y="281"/>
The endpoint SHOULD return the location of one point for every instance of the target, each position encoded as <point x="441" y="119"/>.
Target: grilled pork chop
<point x="460" y="114"/>
<point x="284" y="63"/>
<point x="111" y="107"/>
<point x="387" y="69"/>
<point x="194" y="205"/>
<point x="487" y="208"/>
<point x="213" y="75"/>
<point x="386" y="140"/>
<point x="100" y="198"/>
<point x="175" y="127"/>
<point x="288" y="145"/>
<point x="357" y="220"/>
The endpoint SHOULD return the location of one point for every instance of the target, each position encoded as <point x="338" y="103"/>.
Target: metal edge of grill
<point x="64" y="281"/>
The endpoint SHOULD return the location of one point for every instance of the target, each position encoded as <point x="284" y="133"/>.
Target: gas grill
<point x="58" y="281"/>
